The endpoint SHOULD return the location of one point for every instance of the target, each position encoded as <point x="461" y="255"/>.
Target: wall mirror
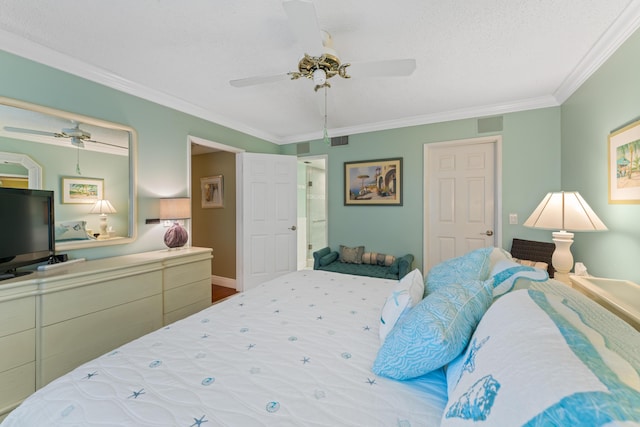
<point x="83" y="160"/>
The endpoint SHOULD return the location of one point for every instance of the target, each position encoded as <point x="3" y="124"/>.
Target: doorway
<point x="312" y="208"/>
<point x="251" y="233"/>
<point x="215" y="227"/>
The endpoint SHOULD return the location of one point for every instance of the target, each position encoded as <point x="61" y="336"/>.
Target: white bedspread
<point x="296" y="351"/>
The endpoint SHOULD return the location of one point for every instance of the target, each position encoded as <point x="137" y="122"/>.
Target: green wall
<point x="605" y="102"/>
<point x="530" y="168"/>
<point x="162" y="136"/>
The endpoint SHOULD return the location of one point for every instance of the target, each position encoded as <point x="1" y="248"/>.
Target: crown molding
<point x="446" y="116"/>
<point x="35" y="52"/>
<point x="619" y="31"/>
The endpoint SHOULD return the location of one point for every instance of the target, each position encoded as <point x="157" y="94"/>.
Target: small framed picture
<point x="212" y="189"/>
<point x="373" y="182"/>
<point x="624" y="164"/>
<point x="82" y="190"/>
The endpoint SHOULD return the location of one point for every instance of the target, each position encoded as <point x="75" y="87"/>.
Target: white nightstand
<point x="621" y="297"/>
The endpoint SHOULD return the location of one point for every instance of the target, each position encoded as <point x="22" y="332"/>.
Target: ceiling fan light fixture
<point x="319" y="77"/>
<point x="77" y="142"/>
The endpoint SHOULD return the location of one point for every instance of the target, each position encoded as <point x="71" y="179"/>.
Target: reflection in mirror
<point x="80" y="158"/>
<point x="19" y="171"/>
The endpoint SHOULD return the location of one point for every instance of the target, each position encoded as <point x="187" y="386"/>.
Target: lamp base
<point x="562" y="259"/>
<point x="176" y="236"/>
<point x="103" y="227"/>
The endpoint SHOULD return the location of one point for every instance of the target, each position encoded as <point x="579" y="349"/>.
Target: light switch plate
<point x="513" y="218"/>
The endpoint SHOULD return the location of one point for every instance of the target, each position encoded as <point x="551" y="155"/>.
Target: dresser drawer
<point x="188" y="310"/>
<point x="15" y="385"/>
<point x="17" y="315"/>
<point x="68" y="304"/>
<point x="187" y="294"/>
<point x="187" y="273"/>
<point x="17" y="349"/>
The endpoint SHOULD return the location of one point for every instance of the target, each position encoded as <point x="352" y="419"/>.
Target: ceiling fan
<point x="304" y="24"/>
<point x="76" y="135"/>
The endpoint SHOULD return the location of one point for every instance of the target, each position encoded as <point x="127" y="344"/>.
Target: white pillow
<point x="73" y="230"/>
<point x="405" y="295"/>
<point x="498" y="254"/>
<point x="535" y="264"/>
<point x="532" y="361"/>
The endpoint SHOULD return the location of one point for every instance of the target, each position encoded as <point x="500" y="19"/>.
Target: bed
<point x="305" y="349"/>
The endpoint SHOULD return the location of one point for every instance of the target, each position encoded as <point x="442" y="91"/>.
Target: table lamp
<point x="103" y="207"/>
<point x="564" y="211"/>
<point x="174" y="210"/>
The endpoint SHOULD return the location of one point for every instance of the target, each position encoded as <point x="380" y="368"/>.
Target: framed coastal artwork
<point x="624" y="164"/>
<point x="373" y="182"/>
<point x="212" y="189"/>
<point x="82" y="190"/>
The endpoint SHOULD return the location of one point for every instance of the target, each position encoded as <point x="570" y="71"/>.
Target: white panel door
<point x="460" y="184"/>
<point x="267" y="236"/>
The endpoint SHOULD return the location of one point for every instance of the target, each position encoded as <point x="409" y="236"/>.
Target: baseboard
<point x="223" y="281"/>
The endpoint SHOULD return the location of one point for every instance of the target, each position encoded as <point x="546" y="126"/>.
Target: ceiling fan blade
<point x="258" y="80"/>
<point x="388" y="68"/>
<point x="304" y="24"/>
<point x="104" y="143"/>
<point x="32" y="131"/>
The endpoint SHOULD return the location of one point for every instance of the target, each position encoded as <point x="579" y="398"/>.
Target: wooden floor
<point x="220" y="292"/>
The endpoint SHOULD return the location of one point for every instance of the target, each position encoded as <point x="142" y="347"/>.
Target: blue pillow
<point x="328" y="258"/>
<point x="473" y="265"/>
<point x="505" y="273"/>
<point x="434" y="332"/>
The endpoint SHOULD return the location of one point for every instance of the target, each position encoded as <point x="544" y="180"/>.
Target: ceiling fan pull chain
<point x="325" y="134"/>
<point x="78" y="162"/>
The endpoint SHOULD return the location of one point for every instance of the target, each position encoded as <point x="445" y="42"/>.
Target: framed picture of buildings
<point x="373" y="182"/>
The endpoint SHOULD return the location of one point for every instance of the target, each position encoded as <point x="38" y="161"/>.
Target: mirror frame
<point x="34" y="170"/>
<point x="133" y="177"/>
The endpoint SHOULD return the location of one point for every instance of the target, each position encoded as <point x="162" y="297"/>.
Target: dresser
<point x="52" y="321"/>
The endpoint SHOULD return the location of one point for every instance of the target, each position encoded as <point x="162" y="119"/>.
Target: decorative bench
<point x="328" y="260"/>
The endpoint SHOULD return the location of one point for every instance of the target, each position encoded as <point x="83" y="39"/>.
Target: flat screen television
<point x="28" y="235"/>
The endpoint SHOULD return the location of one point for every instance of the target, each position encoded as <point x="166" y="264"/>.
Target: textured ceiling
<point x="474" y="58"/>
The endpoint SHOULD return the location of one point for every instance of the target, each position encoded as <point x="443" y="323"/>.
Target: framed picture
<point x="624" y="164"/>
<point x="373" y="182"/>
<point x="82" y="190"/>
<point x="212" y="188"/>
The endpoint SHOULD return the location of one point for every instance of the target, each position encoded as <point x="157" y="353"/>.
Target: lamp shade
<point x="178" y="208"/>
<point x="102" y="207"/>
<point x="564" y="210"/>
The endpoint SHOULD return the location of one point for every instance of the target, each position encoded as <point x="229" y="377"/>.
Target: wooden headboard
<point x="534" y="251"/>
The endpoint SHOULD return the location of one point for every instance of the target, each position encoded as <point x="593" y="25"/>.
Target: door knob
<point x="489" y="232"/>
<point x="293" y="228"/>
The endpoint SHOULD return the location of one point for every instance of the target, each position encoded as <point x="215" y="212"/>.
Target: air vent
<point x="339" y="140"/>
<point x="302" y="148"/>
<point x="490" y="124"/>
